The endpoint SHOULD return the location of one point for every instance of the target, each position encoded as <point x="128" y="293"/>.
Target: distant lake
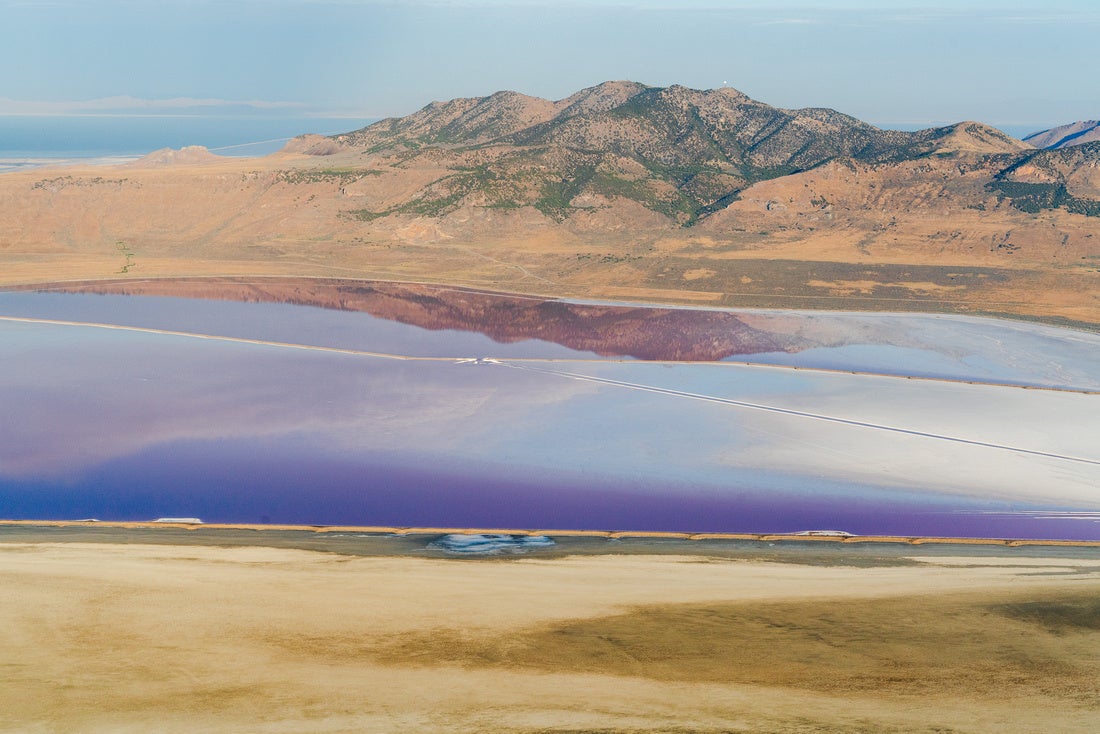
<point x="416" y="405"/>
<point x="26" y="139"/>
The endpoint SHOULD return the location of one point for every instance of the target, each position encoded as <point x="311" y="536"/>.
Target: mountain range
<point x="679" y="152"/>
<point x="620" y="190"/>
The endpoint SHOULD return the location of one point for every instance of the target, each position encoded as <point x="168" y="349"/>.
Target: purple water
<point x="122" y="425"/>
<point x="279" y="482"/>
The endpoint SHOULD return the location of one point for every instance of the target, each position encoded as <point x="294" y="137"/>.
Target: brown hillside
<point x="619" y="191"/>
<point x="1075" y="133"/>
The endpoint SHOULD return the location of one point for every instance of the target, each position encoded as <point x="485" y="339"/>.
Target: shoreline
<point x="808" y="536"/>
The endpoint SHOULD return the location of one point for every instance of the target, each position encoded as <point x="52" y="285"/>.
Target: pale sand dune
<point x="105" y="638"/>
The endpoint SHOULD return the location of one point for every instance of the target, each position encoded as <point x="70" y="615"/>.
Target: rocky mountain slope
<point x="679" y="152"/>
<point x="1075" y="133"/>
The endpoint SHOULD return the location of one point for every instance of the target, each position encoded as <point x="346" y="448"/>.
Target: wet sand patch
<point x="980" y="646"/>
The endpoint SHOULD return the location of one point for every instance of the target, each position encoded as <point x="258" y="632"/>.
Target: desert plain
<point x="147" y="633"/>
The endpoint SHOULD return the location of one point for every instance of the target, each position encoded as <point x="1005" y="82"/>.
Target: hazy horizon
<point x="1018" y="65"/>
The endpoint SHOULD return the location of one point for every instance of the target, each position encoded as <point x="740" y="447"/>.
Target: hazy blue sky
<point x="889" y="62"/>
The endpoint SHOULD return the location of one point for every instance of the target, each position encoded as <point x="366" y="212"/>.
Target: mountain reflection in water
<point x="610" y="331"/>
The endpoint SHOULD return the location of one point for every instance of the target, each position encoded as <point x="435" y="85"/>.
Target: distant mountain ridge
<point x="1063" y="136"/>
<point x="680" y="152"/>
<point x="738" y="127"/>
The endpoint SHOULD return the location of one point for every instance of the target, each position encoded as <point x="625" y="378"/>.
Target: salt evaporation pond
<point x="521" y="413"/>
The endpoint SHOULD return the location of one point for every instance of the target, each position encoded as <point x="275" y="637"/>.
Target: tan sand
<point x="105" y="638"/>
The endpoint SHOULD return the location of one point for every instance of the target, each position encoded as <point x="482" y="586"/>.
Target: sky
<point x="1015" y="64"/>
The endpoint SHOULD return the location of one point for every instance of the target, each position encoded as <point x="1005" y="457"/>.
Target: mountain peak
<point x="600" y="98"/>
<point x="464" y="121"/>
<point x="974" y="137"/>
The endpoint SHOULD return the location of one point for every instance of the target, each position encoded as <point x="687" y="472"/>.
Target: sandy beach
<point x="125" y="635"/>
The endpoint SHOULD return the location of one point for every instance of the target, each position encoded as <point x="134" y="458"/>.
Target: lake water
<point x="289" y="413"/>
<point x="28" y="140"/>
